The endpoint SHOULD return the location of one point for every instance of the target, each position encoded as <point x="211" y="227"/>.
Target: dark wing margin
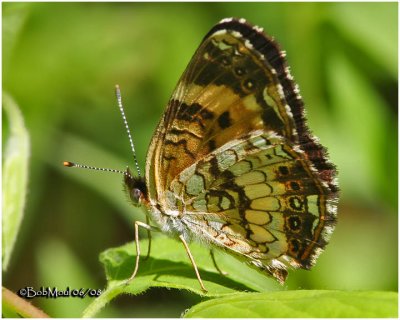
<point x="270" y="49"/>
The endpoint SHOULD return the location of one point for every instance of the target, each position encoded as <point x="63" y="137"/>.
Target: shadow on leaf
<point x="120" y="266"/>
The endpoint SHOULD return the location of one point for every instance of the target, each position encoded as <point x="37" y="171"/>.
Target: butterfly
<point x="233" y="164"/>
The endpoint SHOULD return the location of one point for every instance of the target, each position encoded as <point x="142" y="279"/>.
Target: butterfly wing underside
<point x="259" y="199"/>
<point x="235" y="116"/>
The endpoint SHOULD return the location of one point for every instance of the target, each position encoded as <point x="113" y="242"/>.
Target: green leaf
<point x="300" y="304"/>
<point x="169" y="266"/>
<point x="15" y="176"/>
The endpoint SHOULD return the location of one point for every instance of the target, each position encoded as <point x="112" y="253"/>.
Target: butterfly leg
<point x="148" y="228"/>
<point x="149" y="237"/>
<point x="224" y="273"/>
<point x="193" y="263"/>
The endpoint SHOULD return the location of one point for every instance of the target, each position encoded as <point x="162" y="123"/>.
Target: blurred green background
<point x="60" y="64"/>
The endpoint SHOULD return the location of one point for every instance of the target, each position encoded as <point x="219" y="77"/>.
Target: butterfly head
<point x="135" y="188"/>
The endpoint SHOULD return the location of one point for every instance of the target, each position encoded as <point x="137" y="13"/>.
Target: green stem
<point x="110" y="293"/>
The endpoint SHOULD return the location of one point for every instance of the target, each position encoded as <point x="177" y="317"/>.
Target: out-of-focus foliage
<point x="15" y="176"/>
<point x="60" y="64"/>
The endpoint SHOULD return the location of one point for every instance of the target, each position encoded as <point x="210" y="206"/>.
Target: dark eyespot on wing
<point x="224" y="120"/>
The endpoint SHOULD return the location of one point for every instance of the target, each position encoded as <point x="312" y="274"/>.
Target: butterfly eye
<point x="135" y="195"/>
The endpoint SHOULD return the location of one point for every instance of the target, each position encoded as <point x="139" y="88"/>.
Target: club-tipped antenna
<point x="121" y="108"/>
<point x="76" y="165"/>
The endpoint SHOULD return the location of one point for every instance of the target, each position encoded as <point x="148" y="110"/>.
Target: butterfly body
<point x="232" y="163"/>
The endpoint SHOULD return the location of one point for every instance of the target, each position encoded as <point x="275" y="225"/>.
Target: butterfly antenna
<point x="121" y="108"/>
<point x="76" y="165"/>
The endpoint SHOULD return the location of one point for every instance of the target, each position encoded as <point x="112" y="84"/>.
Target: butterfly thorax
<point x="166" y="218"/>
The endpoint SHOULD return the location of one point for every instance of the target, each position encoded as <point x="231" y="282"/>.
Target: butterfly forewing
<point x="226" y="91"/>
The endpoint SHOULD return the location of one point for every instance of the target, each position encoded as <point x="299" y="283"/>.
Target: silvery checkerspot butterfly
<point x="232" y="162"/>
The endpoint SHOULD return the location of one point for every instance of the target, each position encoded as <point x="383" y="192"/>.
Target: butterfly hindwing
<point x="258" y="199"/>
